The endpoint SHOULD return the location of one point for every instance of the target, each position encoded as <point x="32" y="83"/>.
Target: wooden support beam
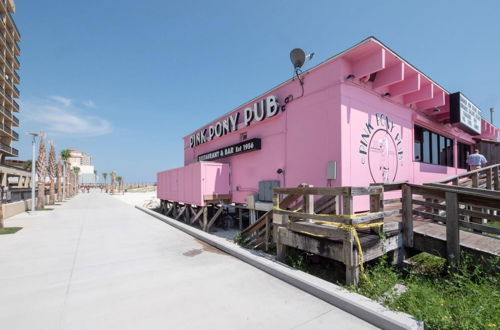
<point x="438" y="100"/>
<point x="330" y="232"/>
<point x="425" y="93"/>
<point x="389" y="76"/>
<point x="409" y="85"/>
<point x="170" y="209"/>
<point x="407" y="216"/>
<point x="215" y="217"/>
<point x="369" y="64"/>
<point x="452" y="229"/>
<point x="183" y="209"/>
<point x="197" y="216"/>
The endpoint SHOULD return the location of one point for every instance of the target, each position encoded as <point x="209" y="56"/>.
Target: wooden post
<point x="351" y="264"/>
<point x="280" y="248"/>
<point x="475" y="179"/>
<point x="337" y="205"/>
<point x="174" y="209"/>
<point x="407" y="216"/>
<point x="240" y="219"/>
<point x="452" y="229"/>
<point x="489" y="178"/>
<point x="205" y="218"/>
<point x="496" y="179"/>
<point x="187" y="214"/>
<point x="475" y="184"/>
<point x="309" y="203"/>
<point x="252" y="216"/>
<point x="347" y="206"/>
<point x="267" y="233"/>
<point x="377" y="202"/>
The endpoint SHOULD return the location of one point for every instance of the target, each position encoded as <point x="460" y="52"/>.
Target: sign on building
<point x="465" y="114"/>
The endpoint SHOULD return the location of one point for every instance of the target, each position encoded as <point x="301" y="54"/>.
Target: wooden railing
<point x="452" y="205"/>
<point x="260" y="232"/>
<point x="486" y="178"/>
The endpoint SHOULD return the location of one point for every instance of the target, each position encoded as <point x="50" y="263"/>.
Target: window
<point x="426" y="146"/>
<point x="463" y="151"/>
<point x="449" y="152"/>
<point x="418" y="143"/>
<point x="432" y="148"/>
<point x="442" y="150"/>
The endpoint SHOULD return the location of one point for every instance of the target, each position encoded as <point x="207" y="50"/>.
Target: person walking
<point x="476" y="160"/>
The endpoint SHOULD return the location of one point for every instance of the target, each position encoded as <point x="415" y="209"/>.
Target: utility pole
<point x="491" y="115"/>
<point x="33" y="165"/>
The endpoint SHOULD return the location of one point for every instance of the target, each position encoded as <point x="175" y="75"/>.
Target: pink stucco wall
<point x="329" y="123"/>
<point x="190" y="183"/>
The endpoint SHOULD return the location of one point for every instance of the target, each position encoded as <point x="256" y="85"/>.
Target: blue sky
<point x="125" y="80"/>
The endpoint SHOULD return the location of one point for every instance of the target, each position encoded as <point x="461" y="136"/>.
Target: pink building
<point x="363" y="116"/>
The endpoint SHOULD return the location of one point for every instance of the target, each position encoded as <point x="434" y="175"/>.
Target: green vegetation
<point x="466" y="298"/>
<point x="10" y="230"/>
<point x="240" y="240"/>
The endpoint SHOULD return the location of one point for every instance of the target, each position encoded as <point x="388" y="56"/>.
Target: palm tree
<point x="40" y="172"/>
<point x="105" y="177"/>
<point x="65" y="155"/>
<point x="119" y="179"/>
<point x="52" y="173"/>
<point x="27" y="165"/>
<point x="113" y="176"/>
<point x="76" y="170"/>
<point x="59" y="180"/>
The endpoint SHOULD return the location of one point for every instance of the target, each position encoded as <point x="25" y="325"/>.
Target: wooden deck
<point x="431" y="237"/>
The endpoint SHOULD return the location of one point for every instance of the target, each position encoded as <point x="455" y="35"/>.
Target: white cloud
<point x="89" y="104"/>
<point x="57" y="116"/>
<point x="63" y="100"/>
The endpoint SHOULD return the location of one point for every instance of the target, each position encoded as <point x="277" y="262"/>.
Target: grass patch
<point x="46" y="209"/>
<point x="10" y="230"/>
<point x="468" y="298"/>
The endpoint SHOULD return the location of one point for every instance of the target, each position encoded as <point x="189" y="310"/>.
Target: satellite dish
<point x="298" y="57"/>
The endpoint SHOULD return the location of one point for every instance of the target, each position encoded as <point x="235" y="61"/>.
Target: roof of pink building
<point x="377" y="67"/>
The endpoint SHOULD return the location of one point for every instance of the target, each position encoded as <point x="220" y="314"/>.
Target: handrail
<point x="458" y="202"/>
<point x="467" y="174"/>
<point x="353" y="191"/>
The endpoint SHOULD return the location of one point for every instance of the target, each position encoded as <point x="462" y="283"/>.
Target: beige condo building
<point x="9" y="64"/>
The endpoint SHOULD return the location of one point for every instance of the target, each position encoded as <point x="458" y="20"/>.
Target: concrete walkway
<point x="97" y="263"/>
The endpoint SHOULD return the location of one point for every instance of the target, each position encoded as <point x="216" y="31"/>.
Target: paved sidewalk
<point x="97" y="263"/>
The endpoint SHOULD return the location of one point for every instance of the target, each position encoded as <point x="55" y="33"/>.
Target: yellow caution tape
<point x="349" y="228"/>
